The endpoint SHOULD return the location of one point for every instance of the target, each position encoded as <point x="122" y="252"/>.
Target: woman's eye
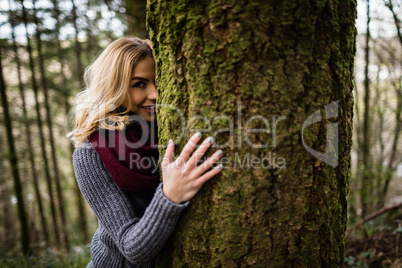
<point x="139" y="84"/>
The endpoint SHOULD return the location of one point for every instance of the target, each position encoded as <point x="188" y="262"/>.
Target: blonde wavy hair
<point x="106" y="101"/>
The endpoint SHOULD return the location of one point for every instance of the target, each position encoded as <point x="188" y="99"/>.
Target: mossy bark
<point x="266" y="59"/>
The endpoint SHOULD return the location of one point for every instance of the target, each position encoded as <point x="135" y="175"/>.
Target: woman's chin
<point x="148" y="117"/>
<point x="144" y="116"/>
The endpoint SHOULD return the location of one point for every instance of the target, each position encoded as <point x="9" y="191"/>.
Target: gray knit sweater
<point x="133" y="226"/>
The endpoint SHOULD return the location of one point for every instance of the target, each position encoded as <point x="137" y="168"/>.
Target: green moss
<point x="287" y="59"/>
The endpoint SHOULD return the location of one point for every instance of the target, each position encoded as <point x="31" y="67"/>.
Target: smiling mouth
<point x="149" y="108"/>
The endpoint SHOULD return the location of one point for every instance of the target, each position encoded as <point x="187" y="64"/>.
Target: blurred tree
<point x="136" y="18"/>
<point x="80" y="69"/>
<point x="367" y="182"/>
<point x="397" y="87"/>
<point x="13" y="22"/>
<point x="48" y="113"/>
<point x="82" y="218"/>
<point x="18" y="191"/>
<point x="6" y="214"/>
<point x="91" y="46"/>
<point x="397" y="21"/>
<point x="378" y="127"/>
<point x="388" y="105"/>
<point x="40" y="127"/>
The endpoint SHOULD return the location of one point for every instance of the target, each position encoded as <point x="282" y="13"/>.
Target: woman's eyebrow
<point x="139" y="78"/>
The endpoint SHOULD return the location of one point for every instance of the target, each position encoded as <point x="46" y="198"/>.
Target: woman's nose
<point x="153" y="94"/>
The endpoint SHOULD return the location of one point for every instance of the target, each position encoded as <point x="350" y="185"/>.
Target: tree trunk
<point x="397" y="21"/>
<point x="366" y="182"/>
<point x="263" y="67"/>
<point x="82" y="218"/>
<point x="22" y="215"/>
<point x="77" y="50"/>
<point x="56" y="173"/>
<point x="392" y="165"/>
<point x="28" y="137"/>
<point x="91" y="44"/>
<point x="40" y="127"/>
<point x="6" y="214"/>
<point x="136" y="17"/>
<point x="378" y="175"/>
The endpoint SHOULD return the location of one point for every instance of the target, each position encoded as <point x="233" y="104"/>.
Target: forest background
<point x="44" y="49"/>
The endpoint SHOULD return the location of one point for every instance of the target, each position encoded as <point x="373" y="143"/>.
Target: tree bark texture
<point x="267" y="59"/>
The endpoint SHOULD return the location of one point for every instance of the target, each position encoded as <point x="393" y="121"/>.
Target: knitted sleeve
<point x="138" y="239"/>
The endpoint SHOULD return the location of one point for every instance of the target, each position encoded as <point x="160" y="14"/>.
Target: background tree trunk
<point x="266" y="59"/>
<point x="397" y="85"/>
<point x="366" y="183"/>
<point x="82" y="218"/>
<point x="40" y="127"/>
<point x="136" y="17"/>
<point x="80" y="69"/>
<point x="28" y="136"/>
<point x="8" y="227"/>
<point x="22" y="215"/>
<point x="56" y="172"/>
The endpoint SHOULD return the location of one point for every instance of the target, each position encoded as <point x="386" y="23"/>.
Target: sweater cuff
<point x="174" y="206"/>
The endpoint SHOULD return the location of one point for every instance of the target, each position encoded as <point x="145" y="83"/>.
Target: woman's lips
<point x="149" y="109"/>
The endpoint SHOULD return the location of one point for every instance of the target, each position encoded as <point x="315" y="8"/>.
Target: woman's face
<point x="143" y="90"/>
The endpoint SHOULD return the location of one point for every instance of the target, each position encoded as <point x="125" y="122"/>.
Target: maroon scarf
<point x="131" y="155"/>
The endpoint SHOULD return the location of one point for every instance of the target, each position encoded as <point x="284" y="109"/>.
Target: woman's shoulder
<point x="85" y="151"/>
<point x="85" y="145"/>
<point x="86" y="162"/>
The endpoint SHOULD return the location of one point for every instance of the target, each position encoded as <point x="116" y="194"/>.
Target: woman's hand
<point x="183" y="178"/>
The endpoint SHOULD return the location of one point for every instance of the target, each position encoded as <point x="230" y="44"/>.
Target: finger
<point x="201" y="180"/>
<point x="208" y="163"/>
<point x="189" y="147"/>
<point x="167" y="159"/>
<point x="199" y="153"/>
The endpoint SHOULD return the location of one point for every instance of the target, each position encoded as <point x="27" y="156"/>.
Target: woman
<point x="113" y="133"/>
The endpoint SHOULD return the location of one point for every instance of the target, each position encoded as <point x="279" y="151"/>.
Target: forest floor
<point x="379" y="250"/>
<point x="378" y="241"/>
<point x="78" y="257"/>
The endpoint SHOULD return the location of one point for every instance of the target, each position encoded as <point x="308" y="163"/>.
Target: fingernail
<point x="219" y="152"/>
<point x="210" y="140"/>
<point x="170" y="142"/>
<point x="198" y="134"/>
<point x="220" y="166"/>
